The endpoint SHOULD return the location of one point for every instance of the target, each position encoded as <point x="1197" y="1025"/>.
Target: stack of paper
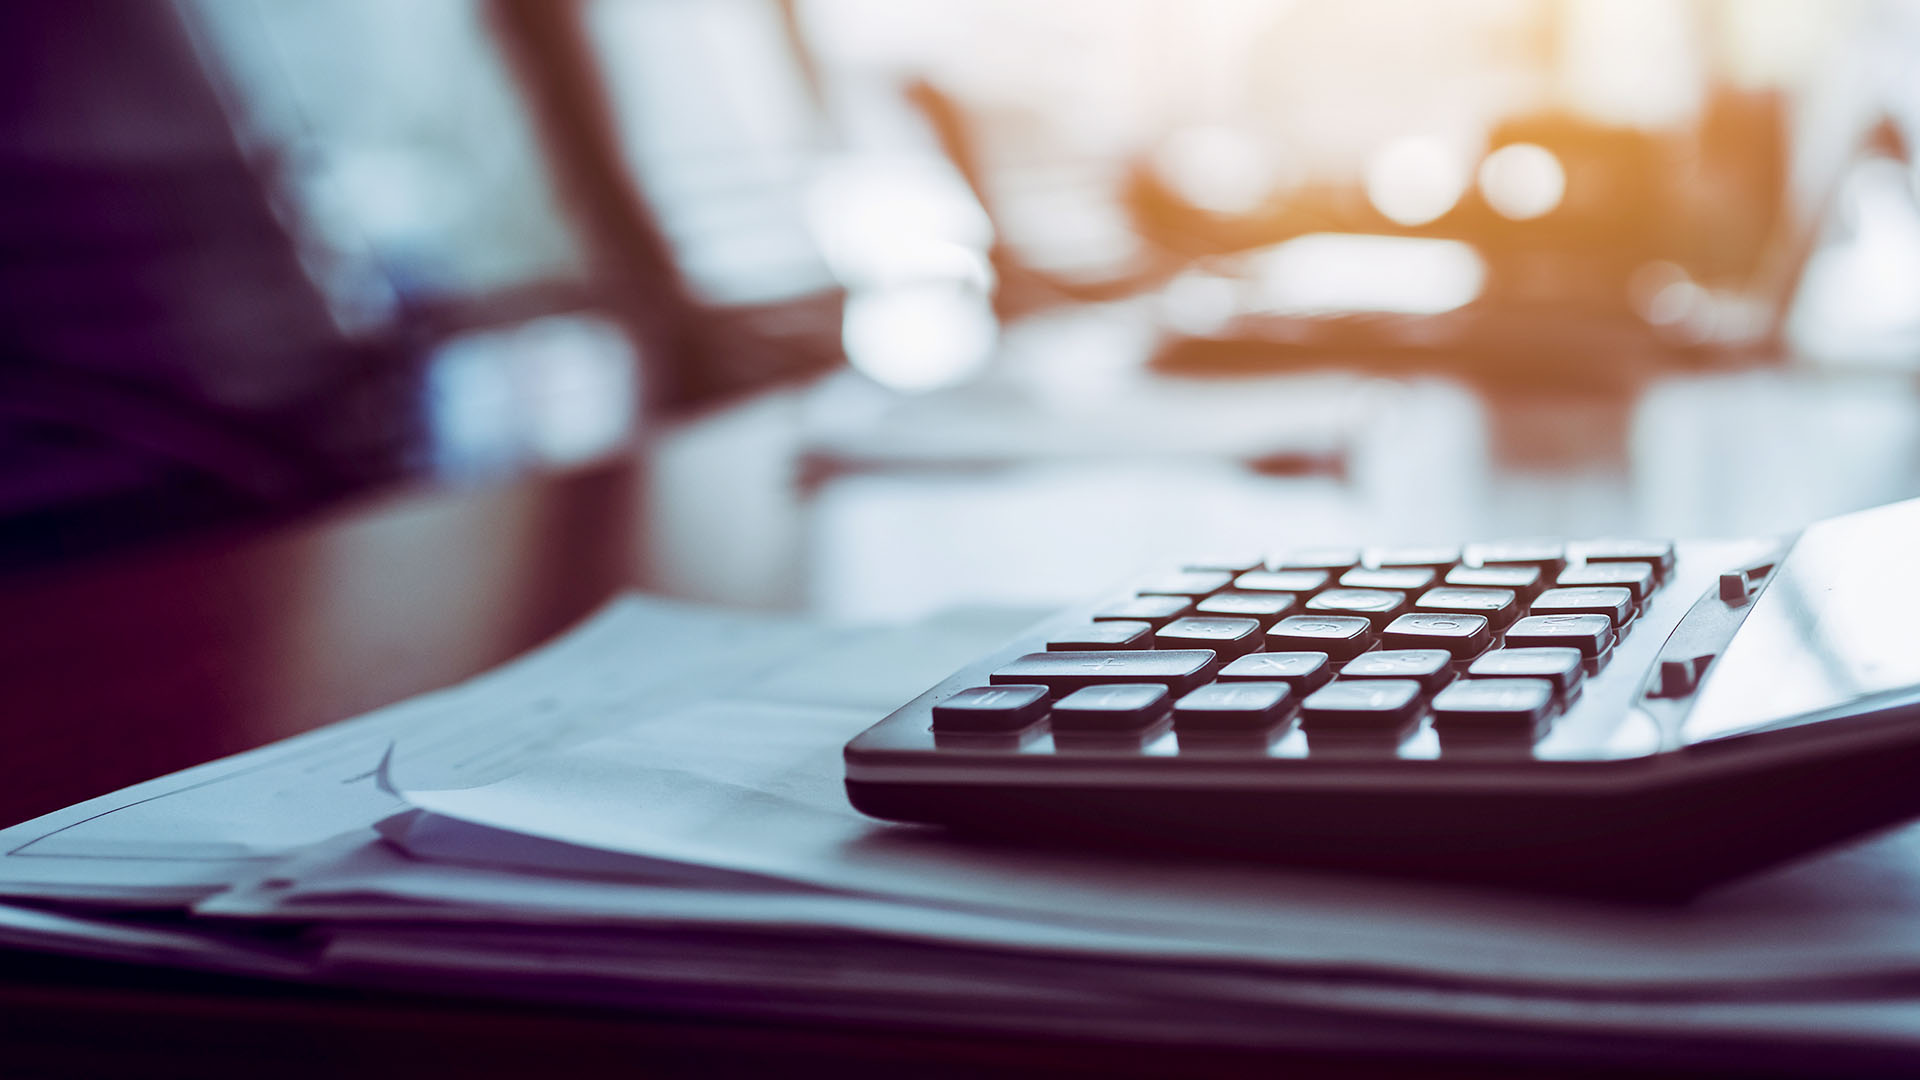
<point x="650" y="813"/>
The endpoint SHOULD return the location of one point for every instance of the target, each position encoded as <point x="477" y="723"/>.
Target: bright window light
<point x="1523" y="181"/>
<point x="1335" y="272"/>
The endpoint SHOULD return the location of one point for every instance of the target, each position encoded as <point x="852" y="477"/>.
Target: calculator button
<point x="1549" y="557"/>
<point x="1459" y="634"/>
<point x="1227" y="564"/>
<point x="1559" y="666"/>
<point x="1304" y="671"/>
<point x="1064" y="672"/>
<point x="1341" y="637"/>
<point x="1613" y="602"/>
<point x="1591" y="634"/>
<point x="1266" y="607"/>
<point x="1361" y="705"/>
<point x="1100" y="636"/>
<point x="991" y="710"/>
<point x="1228" y="638"/>
<point x="1191" y="583"/>
<point x="1332" y="560"/>
<point x="1525" y="581"/>
<point x="1497" y="606"/>
<point x="1380" y="606"/>
<point x="1516" y="706"/>
<point x="1155" y="611"/>
<point x="1114" y="707"/>
<point x="1233" y="707"/>
<point x="1407" y="579"/>
<point x="1431" y="668"/>
<point x="1655" y="553"/>
<point x="1437" y="559"/>
<point x="1636" y="576"/>
<point x="1291" y="581"/>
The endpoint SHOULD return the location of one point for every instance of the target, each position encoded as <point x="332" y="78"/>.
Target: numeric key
<point x="1493" y="706"/>
<point x="991" y="710"/>
<point x="1559" y="666"/>
<point x="1614" y="603"/>
<point x="1339" y="636"/>
<point x="1233" y="707"/>
<point x="1304" y="671"/>
<point x="1459" y="634"/>
<point x="1265" y="607"/>
<point x="1228" y="638"/>
<point x="1431" y="668"/>
<point x="1591" y="634"/>
<point x="1179" y="670"/>
<point x="1111" y="708"/>
<point x="1377" y="606"/>
<point x="1361" y="706"/>
<point x="1636" y="577"/>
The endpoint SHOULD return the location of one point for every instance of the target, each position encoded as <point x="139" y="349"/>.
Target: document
<point x="181" y="837"/>
<point x="742" y="788"/>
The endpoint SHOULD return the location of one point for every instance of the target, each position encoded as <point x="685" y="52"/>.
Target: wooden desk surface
<point x="122" y="670"/>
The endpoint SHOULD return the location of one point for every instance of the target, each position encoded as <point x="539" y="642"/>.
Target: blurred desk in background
<point x="736" y="516"/>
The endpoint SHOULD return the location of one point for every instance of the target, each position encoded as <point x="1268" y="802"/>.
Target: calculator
<point x="1625" y="716"/>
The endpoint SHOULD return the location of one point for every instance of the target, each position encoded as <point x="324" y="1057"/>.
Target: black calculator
<point x="1623" y="716"/>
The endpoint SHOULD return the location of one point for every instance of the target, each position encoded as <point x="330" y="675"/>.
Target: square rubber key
<point x="1406" y="579"/>
<point x="1330" y="560"/>
<point x="991" y="710"/>
<point x="1101" y="636"/>
<point x="1064" y="672"/>
<point x="1437" y="559"/>
<point x="1233" y="707"/>
<point x="1155" y="611"/>
<point x="1610" y="600"/>
<point x="1655" y="553"/>
<point x="1287" y="581"/>
<point x="1304" y="671"/>
<point x="1230" y="565"/>
<point x="1549" y="556"/>
<point x="1227" y="637"/>
<point x="1525" y="581"/>
<point x="1460" y="635"/>
<point x="1111" y="708"/>
<point x="1490" y="706"/>
<point x="1560" y="667"/>
<point x="1591" y="634"/>
<point x="1361" y="706"/>
<point x="1266" y="607"/>
<point x="1634" y="576"/>
<point x="1377" y="606"/>
<point x="1431" y="668"/>
<point x="1341" y="637"/>
<point x="1498" y="606"/>
<point x="1188" y="583"/>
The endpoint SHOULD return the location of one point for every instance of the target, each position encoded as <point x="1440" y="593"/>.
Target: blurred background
<point x="888" y="306"/>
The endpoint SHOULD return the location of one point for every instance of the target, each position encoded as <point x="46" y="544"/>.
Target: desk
<point x="121" y="670"/>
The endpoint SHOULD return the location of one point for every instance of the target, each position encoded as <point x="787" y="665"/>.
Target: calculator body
<point x="1761" y="700"/>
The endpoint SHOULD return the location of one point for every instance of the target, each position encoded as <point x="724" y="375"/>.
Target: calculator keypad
<point x="1487" y="645"/>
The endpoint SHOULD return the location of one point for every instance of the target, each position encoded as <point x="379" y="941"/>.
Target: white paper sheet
<point x="755" y="788"/>
<point x="182" y="836"/>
